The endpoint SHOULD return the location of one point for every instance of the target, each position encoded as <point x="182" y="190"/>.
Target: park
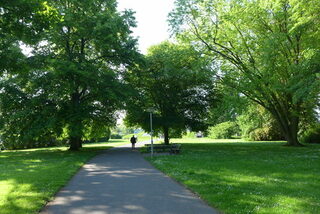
<point x="222" y="117"/>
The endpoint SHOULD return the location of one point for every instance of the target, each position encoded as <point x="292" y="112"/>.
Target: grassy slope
<point x="248" y="177"/>
<point x="29" y="178"/>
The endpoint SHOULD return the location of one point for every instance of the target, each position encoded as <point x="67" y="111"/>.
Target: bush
<point x="175" y="133"/>
<point x="258" y="124"/>
<point x="104" y="139"/>
<point x="224" y="130"/>
<point x="312" y="135"/>
<point x="189" y="135"/>
<point x="18" y="144"/>
<point x="266" y="133"/>
<point x="115" y="136"/>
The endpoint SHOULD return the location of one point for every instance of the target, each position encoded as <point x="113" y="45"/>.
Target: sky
<point x="151" y="16"/>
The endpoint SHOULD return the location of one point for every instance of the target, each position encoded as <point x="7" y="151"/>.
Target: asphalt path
<point x="121" y="181"/>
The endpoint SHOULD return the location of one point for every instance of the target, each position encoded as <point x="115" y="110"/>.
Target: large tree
<point x="74" y="82"/>
<point x="21" y="22"/>
<point x="174" y="82"/>
<point x="268" y="50"/>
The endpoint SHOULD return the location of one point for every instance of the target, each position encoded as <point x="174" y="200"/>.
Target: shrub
<point x="266" y="133"/>
<point x="115" y="136"/>
<point x="312" y="135"/>
<point x="224" y="130"/>
<point x="258" y="124"/>
<point x="175" y="133"/>
<point x="189" y="134"/>
<point x="96" y="133"/>
<point x="39" y="143"/>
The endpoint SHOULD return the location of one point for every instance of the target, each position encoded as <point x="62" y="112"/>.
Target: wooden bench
<point x="171" y="148"/>
<point x="175" y="148"/>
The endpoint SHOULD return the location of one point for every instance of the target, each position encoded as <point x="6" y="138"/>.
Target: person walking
<point x="133" y="141"/>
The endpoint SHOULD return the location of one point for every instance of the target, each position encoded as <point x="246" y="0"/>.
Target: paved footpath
<point x="121" y="181"/>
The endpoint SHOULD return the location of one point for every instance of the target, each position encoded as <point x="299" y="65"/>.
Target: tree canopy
<point x="84" y="66"/>
<point x="73" y="82"/>
<point x="268" y="50"/>
<point x="176" y="81"/>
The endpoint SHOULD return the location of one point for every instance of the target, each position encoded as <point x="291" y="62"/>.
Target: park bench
<point x="171" y="148"/>
<point x="175" y="148"/>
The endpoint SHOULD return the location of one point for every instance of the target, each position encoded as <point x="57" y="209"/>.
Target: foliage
<point x="228" y="106"/>
<point x="176" y="82"/>
<point x="13" y="144"/>
<point x="73" y="81"/>
<point x="21" y="22"/>
<point x="268" y="51"/>
<point x="122" y="130"/>
<point x="141" y="136"/>
<point x="263" y="134"/>
<point x="115" y="136"/>
<point x="257" y="124"/>
<point x="30" y="178"/>
<point x="97" y="134"/>
<point x="225" y="130"/>
<point x="311" y="135"/>
<point x="189" y="135"/>
<point x="245" y="178"/>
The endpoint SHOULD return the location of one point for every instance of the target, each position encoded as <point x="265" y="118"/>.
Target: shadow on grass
<point x="249" y="177"/>
<point x="123" y="183"/>
<point x="29" y="178"/>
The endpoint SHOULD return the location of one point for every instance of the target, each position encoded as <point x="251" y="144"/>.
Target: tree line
<point x="228" y="58"/>
<point x="70" y="84"/>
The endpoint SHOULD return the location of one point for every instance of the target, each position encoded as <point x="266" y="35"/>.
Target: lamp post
<point x="151" y="110"/>
<point x="151" y="133"/>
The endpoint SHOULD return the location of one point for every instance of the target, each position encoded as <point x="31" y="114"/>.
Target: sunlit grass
<point x="254" y="177"/>
<point x="209" y="140"/>
<point x="29" y="178"/>
<point x="142" y="136"/>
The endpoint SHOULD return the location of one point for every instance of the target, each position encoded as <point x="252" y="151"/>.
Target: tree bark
<point x="166" y="135"/>
<point x="292" y="133"/>
<point x="75" y="143"/>
<point x="289" y="126"/>
<point x="75" y="124"/>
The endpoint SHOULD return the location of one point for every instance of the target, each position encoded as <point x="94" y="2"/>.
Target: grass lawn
<point x="29" y="178"/>
<point x="248" y="177"/>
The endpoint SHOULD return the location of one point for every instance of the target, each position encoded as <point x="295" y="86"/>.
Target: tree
<point x="228" y="106"/>
<point x="257" y="124"/>
<point x="75" y="82"/>
<point x="268" y="51"/>
<point x="174" y="82"/>
<point x="21" y="21"/>
<point x="225" y="130"/>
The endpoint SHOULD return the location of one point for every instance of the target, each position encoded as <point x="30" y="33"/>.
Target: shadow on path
<point x="121" y="181"/>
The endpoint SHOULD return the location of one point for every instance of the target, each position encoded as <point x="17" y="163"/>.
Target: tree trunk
<point x="75" y="135"/>
<point x="166" y="135"/>
<point x="292" y="133"/>
<point x="75" y="143"/>
<point x="289" y="126"/>
<point x="75" y="124"/>
<point x="292" y="139"/>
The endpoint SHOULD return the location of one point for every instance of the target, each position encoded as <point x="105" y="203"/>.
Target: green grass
<point x="248" y="177"/>
<point x="29" y="178"/>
